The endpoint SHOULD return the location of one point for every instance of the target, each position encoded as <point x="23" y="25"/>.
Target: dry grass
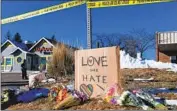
<point x="98" y="104"/>
<point x="39" y="104"/>
<point x="44" y="104"/>
<point x="168" y="95"/>
<point x="161" y="78"/>
<point x="61" y="62"/>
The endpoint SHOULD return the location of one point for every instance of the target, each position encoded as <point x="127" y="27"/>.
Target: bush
<point x="61" y="62"/>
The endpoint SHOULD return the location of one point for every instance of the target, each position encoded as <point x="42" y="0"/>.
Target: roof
<point x="29" y="45"/>
<point x="50" y="41"/>
<point x="21" y="51"/>
<point x="167" y="32"/>
<point x="20" y="45"/>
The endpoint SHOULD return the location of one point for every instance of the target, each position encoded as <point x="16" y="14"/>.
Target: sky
<point x="69" y="25"/>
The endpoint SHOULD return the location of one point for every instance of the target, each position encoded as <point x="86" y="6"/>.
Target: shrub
<point x="61" y="62"/>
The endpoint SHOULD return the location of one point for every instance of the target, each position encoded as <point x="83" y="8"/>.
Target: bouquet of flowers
<point x="54" y="92"/>
<point x="147" y="98"/>
<point x="113" y="93"/>
<point x="71" y="99"/>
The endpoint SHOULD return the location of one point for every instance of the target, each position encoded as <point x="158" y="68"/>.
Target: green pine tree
<point x="17" y="37"/>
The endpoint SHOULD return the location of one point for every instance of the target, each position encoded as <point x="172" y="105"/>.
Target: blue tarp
<point x="33" y="94"/>
<point x="161" y="90"/>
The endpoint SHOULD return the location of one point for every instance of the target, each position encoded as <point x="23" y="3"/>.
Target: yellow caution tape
<point x="42" y="11"/>
<point x="111" y="3"/>
<point x="90" y="4"/>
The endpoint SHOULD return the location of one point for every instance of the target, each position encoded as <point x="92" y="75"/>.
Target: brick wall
<point x="160" y="56"/>
<point x="163" y="57"/>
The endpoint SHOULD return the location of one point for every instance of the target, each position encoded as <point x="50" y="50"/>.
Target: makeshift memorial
<point x="138" y="98"/>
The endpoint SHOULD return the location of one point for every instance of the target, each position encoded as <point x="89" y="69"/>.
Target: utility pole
<point x="89" y="29"/>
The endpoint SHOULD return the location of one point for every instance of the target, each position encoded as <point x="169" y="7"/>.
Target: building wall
<point x="17" y="65"/>
<point x="167" y="37"/>
<point x="40" y="45"/>
<point x="5" y="51"/>
<point x="166" y="44"/>
<point x="163" y="57"/>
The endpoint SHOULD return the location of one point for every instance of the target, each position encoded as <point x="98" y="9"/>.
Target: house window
<point x="43" y="60"/>
<point x="173" y="57"/>
<point x="36" y="60"/>
<point x="8" y="61"/>
<point x="29" y="61"/>
<point x="19" y="59"/>
<point x="2" y="60"/>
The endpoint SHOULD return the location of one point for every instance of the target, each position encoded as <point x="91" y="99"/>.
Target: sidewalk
<point x="28" y="72"/>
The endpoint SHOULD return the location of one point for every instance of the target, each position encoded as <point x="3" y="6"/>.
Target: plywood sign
<point x="96" y="70"/>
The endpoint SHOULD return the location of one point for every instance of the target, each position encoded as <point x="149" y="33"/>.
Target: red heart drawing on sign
<point x="90" y="60"/>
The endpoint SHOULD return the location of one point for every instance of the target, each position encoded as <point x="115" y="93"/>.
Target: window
<point x="8" y="61"/>
<point x="29" y="60"/>
<point x="43" y="60"/>
<point x="2" y="60"/>
<point x="36" y="60"/>
<point x="19" y="59"/>
<point x="173" y="58"/>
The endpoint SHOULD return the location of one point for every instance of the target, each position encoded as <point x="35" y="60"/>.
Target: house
<point x="166" y="46"/>
<point x="42" y="51"/>
<point x="13" y="54"/>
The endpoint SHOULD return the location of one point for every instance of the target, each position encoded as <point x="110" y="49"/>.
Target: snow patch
<point x="129" y="62"/>
<point x="171" y="102"/>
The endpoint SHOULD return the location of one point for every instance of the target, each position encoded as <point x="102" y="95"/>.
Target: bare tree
<point x="144" y="40"/>
<point x="129" y="44"/>
<point x="124" y="41"/>
<point x="108" y="40"/>
<point x="134" y="41"/>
